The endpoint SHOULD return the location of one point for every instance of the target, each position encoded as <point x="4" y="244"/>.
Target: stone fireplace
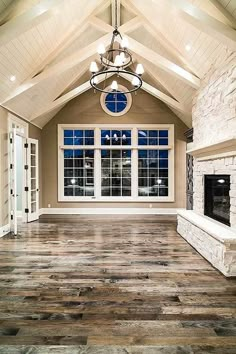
<point x="211" y="226"/>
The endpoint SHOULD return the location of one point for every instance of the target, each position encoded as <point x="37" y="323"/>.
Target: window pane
<point x="68" y="141"/>
<point x="78" y="134"/>
<point x="116" y="173"/>
<point x="89" y="141"/>
<point x="89" y="153"/>
<point x="68" y="154"/>
<point x="142" y="154"/>
<point x="126" y="137"/>
<point x="163" y="141"/>
<point x="89" y="133"/>
<point x="163" y="133"/>
<point x="105" y="154"/>
<point x="153" y="172"/>
<point x="163" y="192"/>
<point x="78" y="154"/>
<point x="78" y="141"/>
<point x="153" y="141"/>
<point x="78" y="173"/>
<point x="68" y="192"/>
<point x="163" y="163"/>
<point x="106" y="163"/>
<point x="116" y="154"/>
<point x="79" y="163"/>
<point x="163" y="154"/>
<point x="116" y="135"/>
<point x="153" y="133"/>
<point x="68" y="172"/>
<point x="68" y="133"/>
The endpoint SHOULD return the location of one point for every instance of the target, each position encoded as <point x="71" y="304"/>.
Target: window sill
<point x="117" y="200"/>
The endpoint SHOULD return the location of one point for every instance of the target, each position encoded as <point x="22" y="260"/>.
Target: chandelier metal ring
<point x="99" y="73"/>
<point x="114" y="60"/>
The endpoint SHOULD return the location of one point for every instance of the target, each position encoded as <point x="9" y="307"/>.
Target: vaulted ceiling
<point x="46" y="47"/>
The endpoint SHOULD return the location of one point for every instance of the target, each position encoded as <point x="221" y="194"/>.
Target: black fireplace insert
<point x="216" y="198"/>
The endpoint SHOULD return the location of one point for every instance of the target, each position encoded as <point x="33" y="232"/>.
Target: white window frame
<point x="97" y="147"/>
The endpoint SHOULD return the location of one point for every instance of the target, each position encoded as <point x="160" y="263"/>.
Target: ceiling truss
<point x="221" y="27"/>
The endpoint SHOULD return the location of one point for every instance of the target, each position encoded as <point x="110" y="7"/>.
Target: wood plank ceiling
<point x="46" y="47"/>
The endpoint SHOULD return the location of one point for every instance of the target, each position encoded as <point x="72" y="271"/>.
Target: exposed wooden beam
<point x="204" y="22"/>
<point x="104" y="5"/>
<point x="67" y="63"/>
<point x="163" y="63"/>
<point x="82" y="70"/>
<point x="73" y="32"/>
<point x="161" y="96"/>
<point x="67" y="97"/>
<point x="149" y="69"/>
<point x="150" y="25"/>
<point x="66" y="41"/>
<point x="27" y="20"/>
<point x="100" y="24"/>
<point x="113" y="13"/>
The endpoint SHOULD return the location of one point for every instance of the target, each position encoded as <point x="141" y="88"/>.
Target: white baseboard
<point x="4" y="230"/>
<point x="104" y="211"/>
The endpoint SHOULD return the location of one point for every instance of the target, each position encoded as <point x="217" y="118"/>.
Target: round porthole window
<point x="116" y="103"/>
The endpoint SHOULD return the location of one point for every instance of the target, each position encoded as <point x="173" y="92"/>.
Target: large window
<point x="112" y="163"/>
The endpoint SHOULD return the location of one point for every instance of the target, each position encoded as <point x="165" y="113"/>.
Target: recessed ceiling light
<point x="12" y="78"/>
<point x="188" y="47"/>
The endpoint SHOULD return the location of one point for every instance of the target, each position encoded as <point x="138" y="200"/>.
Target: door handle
<point x="37" y="190"/>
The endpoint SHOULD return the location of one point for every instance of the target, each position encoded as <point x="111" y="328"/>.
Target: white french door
<point x="32" y="180"/>
<point x="13" y="186"/>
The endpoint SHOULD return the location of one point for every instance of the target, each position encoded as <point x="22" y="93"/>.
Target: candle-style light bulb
<point x="101" y="49"/>
<point x="125" y="43"/>
<point x="122" y="56"/>
<point x="118" y="61"/>
<point x="135" y="82"/>
<point x="95" y="80"/>
<point x="139" y="69"/>
<point x="114" y="85"/>
<point x="93" y="67"/>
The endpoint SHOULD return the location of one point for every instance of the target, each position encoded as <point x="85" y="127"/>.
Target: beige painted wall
<point x="34" y="133"/>
<point x="86" y="109"/>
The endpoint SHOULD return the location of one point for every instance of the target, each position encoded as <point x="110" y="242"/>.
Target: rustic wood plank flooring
<point x="111" y="285"/>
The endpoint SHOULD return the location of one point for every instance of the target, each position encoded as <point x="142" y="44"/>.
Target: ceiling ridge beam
<point x="113" y="13"/>
<point x="198" y="18"/>
<point x="163" y="63"/>
<point x="68" y="97"/>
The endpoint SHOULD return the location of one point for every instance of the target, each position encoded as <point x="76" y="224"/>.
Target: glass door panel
<point x="33" y="180"/>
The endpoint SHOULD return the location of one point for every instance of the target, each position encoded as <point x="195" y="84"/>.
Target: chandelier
<point x="115" y="61"/>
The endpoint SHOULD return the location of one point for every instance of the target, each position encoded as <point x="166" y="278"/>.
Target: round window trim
<point x="116" y="114"/>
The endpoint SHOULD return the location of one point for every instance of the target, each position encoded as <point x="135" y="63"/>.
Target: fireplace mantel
<point x="223" y="148"/>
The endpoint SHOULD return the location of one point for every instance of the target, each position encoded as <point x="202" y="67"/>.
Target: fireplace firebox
<point x="216" y="198"/>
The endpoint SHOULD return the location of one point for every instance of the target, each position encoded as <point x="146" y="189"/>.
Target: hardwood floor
<point x="111" y="285"/>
